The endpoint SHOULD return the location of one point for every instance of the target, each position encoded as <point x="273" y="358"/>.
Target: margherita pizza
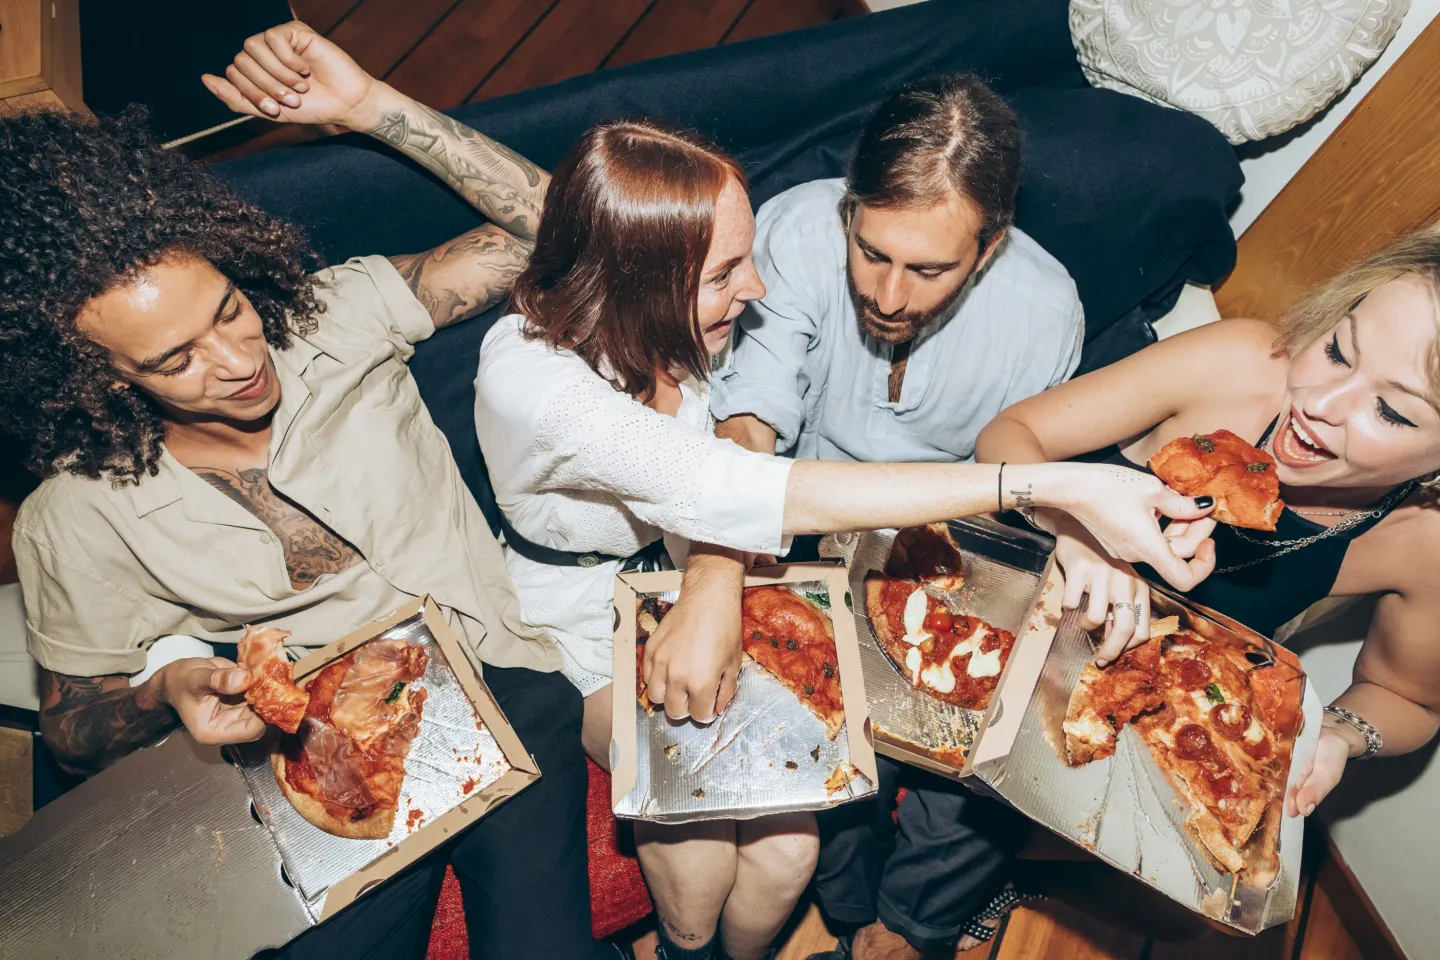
<point x="1219" y="724"/>
<point x="272" y="693"/>
<point x="952" y="657"/>
<point x="927" y="553"/>
<point x="787" y="634"/>
<point x="1239" y="476"/>
<point x="344" y="768"/>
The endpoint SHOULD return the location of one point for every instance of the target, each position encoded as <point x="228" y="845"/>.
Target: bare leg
<point x="776" y="858"/>
<point x="690" y="868"/>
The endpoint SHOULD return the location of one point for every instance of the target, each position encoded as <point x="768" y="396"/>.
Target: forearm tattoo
<point x="90" y="722"/>
<point x="312" y="550"/>
<point x="500" y="183"/>
<point x="458" y="279"/>
<point x="1024" y="499"/>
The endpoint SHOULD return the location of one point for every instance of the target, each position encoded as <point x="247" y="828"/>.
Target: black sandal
<point x="1005" y="899"/>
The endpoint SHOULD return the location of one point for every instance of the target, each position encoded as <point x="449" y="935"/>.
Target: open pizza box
<point x="465" y="761"/>
<point x="1122" y="809"/>
<point x="767" y="752"/>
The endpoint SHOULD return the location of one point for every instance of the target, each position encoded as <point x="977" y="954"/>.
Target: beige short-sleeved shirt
<point x="105" y="570"/>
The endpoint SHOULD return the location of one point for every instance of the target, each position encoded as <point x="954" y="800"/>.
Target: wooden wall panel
<point x="1377" y="177"/>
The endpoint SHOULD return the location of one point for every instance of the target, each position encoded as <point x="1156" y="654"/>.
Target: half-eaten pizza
<point x="789" y="635"/>
<point x="1220" y="717"/>
<point x="1239" y="476"/>
<point x="343" y="768"/>
<point x="928" y="554"/>
<point x="952" y="657"/>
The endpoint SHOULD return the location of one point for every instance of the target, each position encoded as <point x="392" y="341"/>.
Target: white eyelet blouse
<point x="577" y="465"/>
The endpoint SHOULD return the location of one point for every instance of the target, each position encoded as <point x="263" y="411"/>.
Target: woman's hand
<point x="1321" y="773"/>
<point x="1119" y="508"/>
<point x="692" y="660"/>
<point x="292" y="74"/>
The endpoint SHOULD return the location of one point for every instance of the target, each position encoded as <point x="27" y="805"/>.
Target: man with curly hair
<point x="227" y="438"/>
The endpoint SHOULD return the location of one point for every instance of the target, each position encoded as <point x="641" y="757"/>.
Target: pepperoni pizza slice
<point x="1239" y="476"/>
<point x="344" y="767"/>
<point x="793" y="638"/>
<point x="1219" y="725"/>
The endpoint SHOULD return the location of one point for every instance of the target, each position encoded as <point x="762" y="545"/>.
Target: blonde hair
<point x="1416" y="255"/>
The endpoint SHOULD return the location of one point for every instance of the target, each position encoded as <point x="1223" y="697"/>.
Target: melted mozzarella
<point x="916" y="605"/>
<point x="1089" y="728"/>
<point x="912" y="663"/>
<point x="1254" y="733"/>
<point x="983" y="663"/>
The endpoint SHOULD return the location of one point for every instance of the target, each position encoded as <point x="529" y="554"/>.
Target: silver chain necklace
<point x="1396" y="496"/>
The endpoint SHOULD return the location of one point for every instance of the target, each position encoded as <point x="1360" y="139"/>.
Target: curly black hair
<point x="84" y="206"/>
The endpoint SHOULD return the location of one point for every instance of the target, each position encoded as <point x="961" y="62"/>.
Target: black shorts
<point x="922" y="868"/>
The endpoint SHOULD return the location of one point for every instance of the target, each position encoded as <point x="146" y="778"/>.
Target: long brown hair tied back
<point x="616" y="271"/>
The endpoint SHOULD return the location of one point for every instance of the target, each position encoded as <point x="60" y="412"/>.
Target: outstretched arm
<point x="292" y="74"/>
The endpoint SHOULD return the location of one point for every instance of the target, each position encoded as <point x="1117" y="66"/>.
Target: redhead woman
<point x="1344" y="396"/>
<point x="592" y="413"/>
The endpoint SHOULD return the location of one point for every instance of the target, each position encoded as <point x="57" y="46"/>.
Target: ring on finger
<point x="1134" y="608"/>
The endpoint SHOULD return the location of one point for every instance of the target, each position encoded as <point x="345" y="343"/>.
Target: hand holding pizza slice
<point x="272" y="693"/>
<point x="1239" y="476"/>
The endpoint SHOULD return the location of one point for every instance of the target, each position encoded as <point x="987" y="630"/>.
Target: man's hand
<point x="692" y="660"/>
<point x="207" y="694"/>
<point x="292" y="74"/>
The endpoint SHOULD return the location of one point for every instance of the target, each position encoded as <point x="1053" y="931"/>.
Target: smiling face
<point x="1358" y="409"/>
<point x="728" y="279"/>
<point x="182" y="333"/>
<point x="909" y="265"/>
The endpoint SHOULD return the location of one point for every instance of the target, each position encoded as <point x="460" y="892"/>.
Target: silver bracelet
<point x="1373" y="743"/>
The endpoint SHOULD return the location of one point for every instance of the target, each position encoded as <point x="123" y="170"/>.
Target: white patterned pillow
<point x="1254" y="68"/>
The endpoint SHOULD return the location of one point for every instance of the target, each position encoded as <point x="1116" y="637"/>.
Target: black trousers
<point x="522" y="870"/>
<point x="922" y="867"/>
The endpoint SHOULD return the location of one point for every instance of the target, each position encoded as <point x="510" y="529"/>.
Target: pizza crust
<point x="376" y="826"/>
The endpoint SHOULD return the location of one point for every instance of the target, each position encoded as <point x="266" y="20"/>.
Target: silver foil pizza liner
<point x="767" y="753"/>
<point x="1123" y="808"/>
<point x="453" y="756"/>
<point x="1005" y="572"/>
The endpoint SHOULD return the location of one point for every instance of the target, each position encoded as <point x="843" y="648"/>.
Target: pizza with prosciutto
<point x="343" y="768"/>
<point x="788" y="635"/>
<point x="272" y="693"/>
<point x="1220" y="719"/>
<point x="952" y="657"/>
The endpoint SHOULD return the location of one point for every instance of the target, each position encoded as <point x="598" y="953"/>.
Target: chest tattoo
<point x="311" y="549"/>
<point x="899" y="357"/>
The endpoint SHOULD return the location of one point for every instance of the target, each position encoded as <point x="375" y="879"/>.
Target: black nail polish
<point x="1203" y="502"/>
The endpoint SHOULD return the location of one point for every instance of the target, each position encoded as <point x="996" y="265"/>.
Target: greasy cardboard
<point x="524" y="771"/>
<point x="623" y="744"/>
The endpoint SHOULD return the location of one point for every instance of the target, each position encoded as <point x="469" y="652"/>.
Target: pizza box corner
<point x="522" y="771"/>
<point x="849" y="757"/>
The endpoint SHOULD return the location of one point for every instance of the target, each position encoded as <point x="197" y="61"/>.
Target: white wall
<point x="1268" y="170"/>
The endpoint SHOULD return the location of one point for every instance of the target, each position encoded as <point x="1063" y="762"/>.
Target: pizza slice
<point x="1239" y="476"/>
<point x="648" y="614"/>
<point x="344" y="768"/>
<point x="272" y="692"/>
<point x="1105" y="700"/>
<point x="793" y="639"/>
<point x="929" y="554"/>
<point x="954" y="658"/>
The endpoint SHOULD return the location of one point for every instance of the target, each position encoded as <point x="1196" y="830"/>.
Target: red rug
<point x="618" y="897"/>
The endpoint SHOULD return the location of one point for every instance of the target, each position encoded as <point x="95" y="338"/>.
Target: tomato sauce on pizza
<point x="953" y="657"/>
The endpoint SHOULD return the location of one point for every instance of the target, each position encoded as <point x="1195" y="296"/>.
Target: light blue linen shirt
<point x="802" y="364"/>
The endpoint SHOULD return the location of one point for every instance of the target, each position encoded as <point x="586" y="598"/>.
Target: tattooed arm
<point x="90" y="722"/>
<point x="292" y="74"/>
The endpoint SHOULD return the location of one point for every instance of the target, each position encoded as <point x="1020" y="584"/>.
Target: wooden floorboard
<point x="765" y="17"/>
<point x="1054" y="930"/>
<point x="574" y="38"/>
<point x="323" y="14"/>
<point x="379" y="33"/>
<point x="674" y="26"/>
<point x="465" y="48"/>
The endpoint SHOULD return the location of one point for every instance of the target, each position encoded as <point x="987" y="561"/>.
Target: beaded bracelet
<point x="1373" y="743"/>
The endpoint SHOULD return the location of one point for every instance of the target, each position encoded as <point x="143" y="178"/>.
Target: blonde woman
<point x="1344" y="396"/>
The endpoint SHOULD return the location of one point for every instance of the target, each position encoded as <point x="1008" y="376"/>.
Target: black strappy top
<point x="1257" y="581"/>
